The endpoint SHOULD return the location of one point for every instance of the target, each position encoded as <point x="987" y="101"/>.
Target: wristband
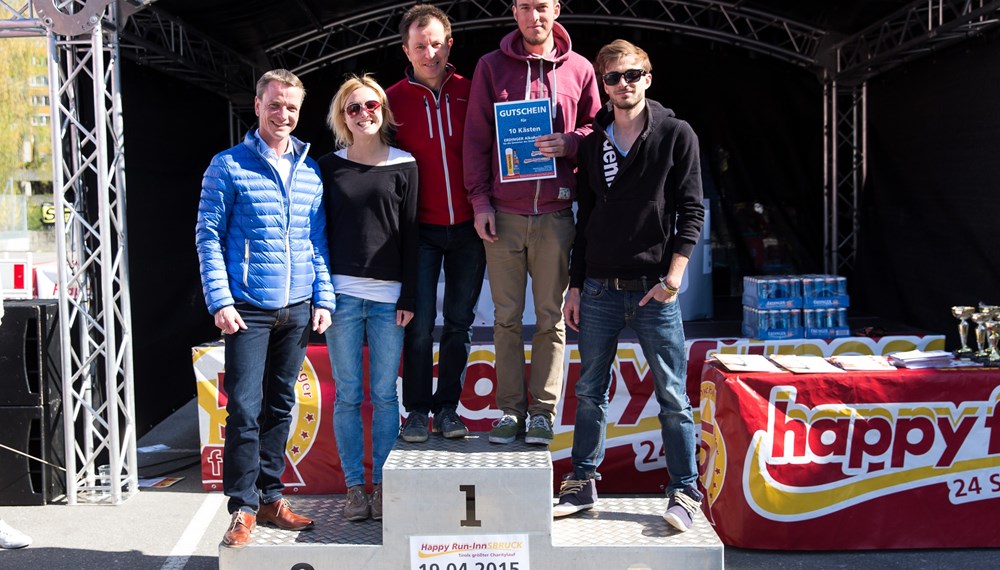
<point x="669" y="289"/>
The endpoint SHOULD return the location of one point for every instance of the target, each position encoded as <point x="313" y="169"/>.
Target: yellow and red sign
<point x="634" y="459"/>
<point x="852" y="461"/>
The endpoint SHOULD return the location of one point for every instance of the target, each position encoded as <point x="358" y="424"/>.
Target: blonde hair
<point x="281" y="76"/>
<point x="335" y="117"/>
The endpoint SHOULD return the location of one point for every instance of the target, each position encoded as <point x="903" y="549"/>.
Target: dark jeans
<point x="603" y="315"/>
<point x="460" y="250"/>
<point x="262" y="365"/>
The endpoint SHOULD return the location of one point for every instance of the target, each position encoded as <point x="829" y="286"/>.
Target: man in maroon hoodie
<point x="429" y="104"/>
<point x="528" y="226"/>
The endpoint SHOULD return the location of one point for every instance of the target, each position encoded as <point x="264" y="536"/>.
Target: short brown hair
<point x="422" y="14"/>
<point x="281" y="76"/>
<point x="617" y="50"/>
<point x="335" y="117"/>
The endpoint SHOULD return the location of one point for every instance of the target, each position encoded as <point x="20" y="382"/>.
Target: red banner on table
<point x="874" y="460"/>
<point x="634" y="459"/>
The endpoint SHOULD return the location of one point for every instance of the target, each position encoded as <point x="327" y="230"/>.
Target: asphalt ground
<point x="179" y="527"/>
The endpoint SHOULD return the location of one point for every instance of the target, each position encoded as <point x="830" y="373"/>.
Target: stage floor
<point x="180" y="527"/>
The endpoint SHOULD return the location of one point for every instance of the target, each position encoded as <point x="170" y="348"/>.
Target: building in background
<point x="26" y="201"/>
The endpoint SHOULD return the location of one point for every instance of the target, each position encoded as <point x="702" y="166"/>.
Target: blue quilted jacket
<point x="257" y="242"/>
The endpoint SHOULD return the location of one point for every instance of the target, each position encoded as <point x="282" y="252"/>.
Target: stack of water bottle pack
<point x="795" y="306"/>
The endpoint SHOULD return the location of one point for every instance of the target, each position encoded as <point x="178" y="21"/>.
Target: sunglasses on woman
<point x="354" y="109"/>
<point x="631" y="76"/>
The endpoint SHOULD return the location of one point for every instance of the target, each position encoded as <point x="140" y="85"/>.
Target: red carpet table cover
<point x="900" y="459"/>
<point x="634" y="461"/>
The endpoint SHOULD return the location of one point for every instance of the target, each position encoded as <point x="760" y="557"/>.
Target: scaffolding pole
<point x="88" y="165"/>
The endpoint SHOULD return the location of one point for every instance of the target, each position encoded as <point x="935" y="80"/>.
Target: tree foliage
<point x="23" y="59"/>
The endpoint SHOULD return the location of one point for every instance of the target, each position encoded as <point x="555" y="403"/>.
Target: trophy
<point x="963" y="312"/>
<point x="982" y="339"/>
<point x="992" y="329"/>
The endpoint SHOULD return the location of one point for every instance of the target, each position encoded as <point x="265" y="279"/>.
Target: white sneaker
<point x="10" y="537"/>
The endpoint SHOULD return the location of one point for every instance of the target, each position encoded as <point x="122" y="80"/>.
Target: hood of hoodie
<point x="655" y="113"/>
<point x="512" y="45"/>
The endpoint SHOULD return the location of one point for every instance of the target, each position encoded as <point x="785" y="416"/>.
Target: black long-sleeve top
<point x="371" y="220"/>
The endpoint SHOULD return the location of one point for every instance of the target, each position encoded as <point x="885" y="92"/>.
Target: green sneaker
<point x="539" y="430"/>
<point x="506" y="429"/>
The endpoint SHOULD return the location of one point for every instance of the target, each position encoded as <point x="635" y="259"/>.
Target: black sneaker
<point x="680" y="510"/>
<point x="575" y="495"/>
<point x="414" y="429"/>
<point x="448" y="424"/>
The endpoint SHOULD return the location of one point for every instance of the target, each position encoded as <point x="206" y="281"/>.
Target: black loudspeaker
<point x="30" y="404"/>
<point x="29" y="353"/>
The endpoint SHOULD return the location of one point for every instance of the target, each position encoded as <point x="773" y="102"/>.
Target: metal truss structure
<point x="724" y="22"/>
<point x="913" y="31"/>
<point x="19" y="20"/>
<point x="153" y="38"/>
<point x="89" y="185"/>
<point x="845" y="147"/>
<point x="87" y="38"/>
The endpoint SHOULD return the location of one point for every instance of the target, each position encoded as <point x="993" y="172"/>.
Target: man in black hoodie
<point x="640" y="215"/>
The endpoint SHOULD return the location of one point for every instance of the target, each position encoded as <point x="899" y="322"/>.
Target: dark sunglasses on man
<point x="353" y="109"/>
<point x="631" y="76"/>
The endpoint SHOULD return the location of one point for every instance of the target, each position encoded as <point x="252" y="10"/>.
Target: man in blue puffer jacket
<point x="261" y="238"/>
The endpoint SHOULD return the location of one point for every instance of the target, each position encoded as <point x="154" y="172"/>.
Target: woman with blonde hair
<point x="370" y="193"/>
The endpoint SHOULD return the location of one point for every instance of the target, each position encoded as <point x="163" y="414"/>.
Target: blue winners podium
<point x="471" y="505"/>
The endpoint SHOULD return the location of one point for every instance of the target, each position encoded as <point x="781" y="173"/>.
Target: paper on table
<point x="862" y="362"/>
<point x="922" y="359"/>
<point x="745" y="362"/>
<point x="805" y="364"/>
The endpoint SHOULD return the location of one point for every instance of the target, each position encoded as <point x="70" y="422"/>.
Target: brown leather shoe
<point x="240" y="529"/>
<point x="279" y="514"/>
<point x="376" y="502"/>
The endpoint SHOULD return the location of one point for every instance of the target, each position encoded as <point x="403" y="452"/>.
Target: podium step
<point x="467" y="486"/>
<point x="473" y="488"/>
<point x="629" y="532"/>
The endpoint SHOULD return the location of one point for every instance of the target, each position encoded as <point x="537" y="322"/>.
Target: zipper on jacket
<point x="285" y="194"/>
<point x="444" y="163"/>
<point x="288" y="269"/>
<point x="447" y="105"/>
<point x="288" y="226"/>
<point x="427" y="111"/>
<point x="246" y="261"/>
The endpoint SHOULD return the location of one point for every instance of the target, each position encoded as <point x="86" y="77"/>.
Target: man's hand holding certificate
<point x="519" y="123"/>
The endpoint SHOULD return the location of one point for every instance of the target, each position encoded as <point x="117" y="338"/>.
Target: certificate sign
<point x="469" y="552"/>
<point x="518" y="124"/>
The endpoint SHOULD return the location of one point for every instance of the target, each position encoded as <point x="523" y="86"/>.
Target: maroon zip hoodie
<point x="511" y="74"/>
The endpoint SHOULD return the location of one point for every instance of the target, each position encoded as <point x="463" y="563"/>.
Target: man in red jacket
<point x="430" y="104"/>
<point x="528" y="224"/>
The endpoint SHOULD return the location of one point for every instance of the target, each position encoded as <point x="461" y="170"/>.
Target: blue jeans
<point x="603" y="315"/>
<point x="353" y="320"/>
<point x="262" y="365"/>
<point x="460" y="249"/>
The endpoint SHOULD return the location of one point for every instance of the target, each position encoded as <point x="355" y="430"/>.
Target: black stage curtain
<point x="930" y="207"/>
<point x="765" y="114"/>
<point x="927" y="212"/>
<point x="172" y="130"/>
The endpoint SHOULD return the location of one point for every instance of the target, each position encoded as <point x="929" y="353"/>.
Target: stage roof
<point x="252" y="26"/>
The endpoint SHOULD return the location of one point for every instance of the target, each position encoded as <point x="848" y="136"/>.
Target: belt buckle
<point x="613" y="284"/>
